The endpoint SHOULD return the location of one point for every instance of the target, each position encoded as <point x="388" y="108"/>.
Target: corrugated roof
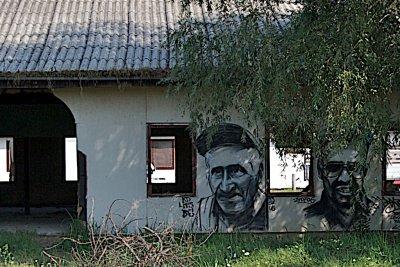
<point x="59" y="36"/>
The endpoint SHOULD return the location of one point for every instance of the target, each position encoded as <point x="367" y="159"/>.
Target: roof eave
<point x="144" y="77"/>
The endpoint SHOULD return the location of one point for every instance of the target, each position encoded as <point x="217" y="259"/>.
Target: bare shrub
<point x="111" y="244"/>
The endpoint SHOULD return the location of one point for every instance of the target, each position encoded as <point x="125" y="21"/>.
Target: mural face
<point x="342" y="177"/>
<point x="235" y="176"/>
<point x="338" y="175"/>
<point x="232" y="180"/>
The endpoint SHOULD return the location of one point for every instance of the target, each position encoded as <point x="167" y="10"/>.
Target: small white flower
<point x="247" y="253"/>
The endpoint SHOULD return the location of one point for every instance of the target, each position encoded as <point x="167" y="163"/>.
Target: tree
<point x="322" y="75"/>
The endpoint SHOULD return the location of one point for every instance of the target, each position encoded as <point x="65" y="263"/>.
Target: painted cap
<point x="224" y="134"/>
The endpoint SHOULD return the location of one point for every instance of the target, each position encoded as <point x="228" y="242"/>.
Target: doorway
<point x="34" y="127"/>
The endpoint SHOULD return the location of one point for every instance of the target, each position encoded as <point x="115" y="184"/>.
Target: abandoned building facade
<point x="85" y="126"/>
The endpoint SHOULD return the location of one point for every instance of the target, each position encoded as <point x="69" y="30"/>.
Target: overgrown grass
<point x="23" y="249"/>
<point x="347" y="249"/>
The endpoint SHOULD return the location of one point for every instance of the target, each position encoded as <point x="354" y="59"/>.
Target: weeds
<point x="149" y="248"/>
<point x="110" y="244"/>
<point x="163" y="247"/>
<point x="6" y="256"/>
<point x="20" y="247"/>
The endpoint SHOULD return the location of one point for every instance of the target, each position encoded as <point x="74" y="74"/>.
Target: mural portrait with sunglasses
<point x="343" y="199"/>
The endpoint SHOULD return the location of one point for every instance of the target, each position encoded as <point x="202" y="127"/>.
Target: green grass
<point x="240" y="250"/>
<point x="20" y="249"/>
<point x="350" y="249"/>
<point x="24" y="248"/>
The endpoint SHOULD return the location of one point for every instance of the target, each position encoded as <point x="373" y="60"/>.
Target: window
<point x="163" y="159"/>
<point x="171" y="161"/>
<point x="71" y="162"/>
<point x="291" y="171"/>
<point x="6" y="159"/>
<point x="391" y="166"/>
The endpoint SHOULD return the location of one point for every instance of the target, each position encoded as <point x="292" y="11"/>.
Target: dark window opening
<point x="391" y="165"/>
<point x="171" y="161"/>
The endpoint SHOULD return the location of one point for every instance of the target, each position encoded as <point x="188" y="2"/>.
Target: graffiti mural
<point x="343" y="201"/>
<point x="235" y="175"/>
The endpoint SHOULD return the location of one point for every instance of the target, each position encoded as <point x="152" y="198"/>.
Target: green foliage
<point x="325" y="79"/>
<point x="6" y="256"/>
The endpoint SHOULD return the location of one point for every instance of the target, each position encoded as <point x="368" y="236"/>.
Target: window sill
<point x="291" y="194"/>
<point x="172" y="195"/>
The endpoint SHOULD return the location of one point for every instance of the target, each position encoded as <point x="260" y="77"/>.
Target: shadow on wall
<point x="117" y="174"/>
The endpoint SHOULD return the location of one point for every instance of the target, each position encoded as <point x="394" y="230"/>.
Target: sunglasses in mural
<point x="332" y="170"/>
<point x="342" y="176"/>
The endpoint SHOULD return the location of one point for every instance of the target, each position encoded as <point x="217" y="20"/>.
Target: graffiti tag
<point x="271" y="203"/>
<point x="187" y="207"/>
<point x="392" y="209"/>
<point x="301" y="200"/>
<point x="391" y="205"/>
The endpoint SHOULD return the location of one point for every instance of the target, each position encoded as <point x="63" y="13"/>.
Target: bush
<point x="110" y="244"/>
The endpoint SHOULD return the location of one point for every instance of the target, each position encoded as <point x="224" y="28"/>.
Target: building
<point x="84" y="125"/>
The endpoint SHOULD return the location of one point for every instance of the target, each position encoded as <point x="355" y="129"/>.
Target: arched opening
<point x="38" y="156"/>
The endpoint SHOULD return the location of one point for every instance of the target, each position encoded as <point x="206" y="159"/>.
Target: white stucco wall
<point x="112" y="133"/>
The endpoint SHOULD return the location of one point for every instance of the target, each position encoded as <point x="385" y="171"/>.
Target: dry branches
<point x="111" y="244"/>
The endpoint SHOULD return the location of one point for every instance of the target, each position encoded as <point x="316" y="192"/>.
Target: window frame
<point x="385" y="191"/>
<point x="149" y="184"/>
<point x="10" y="159"/>
<point x="64" y="163"/>
<point x="310" y="192"/>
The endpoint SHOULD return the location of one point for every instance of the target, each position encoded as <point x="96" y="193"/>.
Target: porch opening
<point x="39" y="168"/>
